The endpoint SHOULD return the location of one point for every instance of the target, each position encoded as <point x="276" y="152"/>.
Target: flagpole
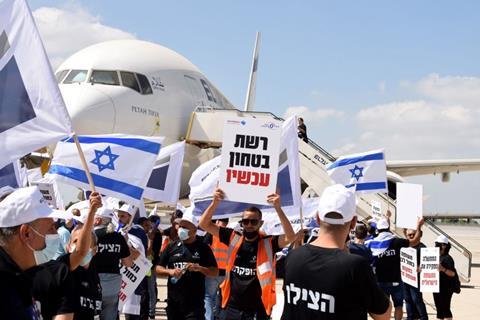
<point x="301" y="224"/>
<point x="84" y="162"/>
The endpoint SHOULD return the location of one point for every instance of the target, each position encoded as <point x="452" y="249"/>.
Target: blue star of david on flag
<point x="98" y="159"/>
<point x="357" y="172"/>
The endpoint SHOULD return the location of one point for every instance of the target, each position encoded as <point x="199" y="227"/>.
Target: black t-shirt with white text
<point x="387" y="265"/>
<point x="245" y="290"/>
<point x="323" y="283"/>
<point x="111" y="248"/>
<point x="189" y="290"/>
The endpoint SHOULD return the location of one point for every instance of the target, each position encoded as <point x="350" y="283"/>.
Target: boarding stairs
<point x="206" y="130"/>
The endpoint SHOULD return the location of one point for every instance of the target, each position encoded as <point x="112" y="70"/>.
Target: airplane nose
<point x="92" y="111"/>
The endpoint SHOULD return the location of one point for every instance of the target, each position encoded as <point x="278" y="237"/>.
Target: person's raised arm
<point x="85" y="235"/>
<point x="418" y="233"/>
<point x="289" y="236"/>
<point x="206" y="219"/>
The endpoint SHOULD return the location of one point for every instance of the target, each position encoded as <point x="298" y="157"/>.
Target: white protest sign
<point x="376" y="210"/>
<point x="429" y="275"/>
<point x="131" y="278"/>
<point x="408" y="266"/>
<point x="48" y="188"/>
<point x="250" y="153"/>
<point x="409" y="204"/>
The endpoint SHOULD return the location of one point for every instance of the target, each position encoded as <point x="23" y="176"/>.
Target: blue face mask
<point x="86" y="260"/>
<point x="183" y="234"/>
<point x="52" y="243"/>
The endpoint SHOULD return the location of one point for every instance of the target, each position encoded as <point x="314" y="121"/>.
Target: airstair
<point x="206" y="130"/>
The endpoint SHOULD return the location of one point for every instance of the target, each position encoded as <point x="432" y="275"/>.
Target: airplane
<point x="142" y="88"/>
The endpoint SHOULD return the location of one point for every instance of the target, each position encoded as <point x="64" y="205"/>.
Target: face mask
<point x="52" y="242"/>
<point x="250" y="234"/>
<point x="183" y="234"/>
<point x="86" y="260"/>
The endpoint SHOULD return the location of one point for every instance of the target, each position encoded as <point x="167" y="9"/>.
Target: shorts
<point x="394" y="290"/>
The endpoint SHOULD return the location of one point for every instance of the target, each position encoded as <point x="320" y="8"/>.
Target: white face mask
<point x="52" y="243"/>
<point x="183" y="234"/>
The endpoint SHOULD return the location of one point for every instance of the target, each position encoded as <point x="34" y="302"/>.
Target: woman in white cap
<point x="447" y="270"/>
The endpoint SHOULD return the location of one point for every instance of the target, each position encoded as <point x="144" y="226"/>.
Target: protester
<point x="448" y="275"/>
<point x="88" y="290"/>
<point x="26" y="230"/>
<point x="322" y="281"/>
<point x="358" y="245"/>
<point x="170" y="233"/>
<point x="186" y="261"/>
<point x="386" y="252"/>
<point x="416" y="308"/>
<point x="248" y="291"/>
<point x="212" y="284"/>
<point x="112" y="249"/>
<point x="63" y="229"/>
<point x="302" y="130"/>
<point x="372" y="230"/>
<point x="155" y="242"/>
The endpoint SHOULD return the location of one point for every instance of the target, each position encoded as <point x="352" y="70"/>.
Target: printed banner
<point x="429" y="275"/>
<point x="48" y="188"/>
<point x="131" y="278"/>
<point x="376" y="210"/>
<point x="250" y="156"/>
<point x="408" y="266"/>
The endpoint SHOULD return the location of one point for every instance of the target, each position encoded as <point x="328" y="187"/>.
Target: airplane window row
<point x="134" y="81"/>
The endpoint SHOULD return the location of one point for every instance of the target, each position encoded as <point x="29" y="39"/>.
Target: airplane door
<point x="196" y="91"/>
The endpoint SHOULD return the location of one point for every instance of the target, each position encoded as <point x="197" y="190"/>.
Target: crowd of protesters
<point x="67" y="265"/>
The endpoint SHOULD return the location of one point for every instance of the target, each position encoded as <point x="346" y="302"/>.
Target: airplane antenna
<point x="252" y="81"/>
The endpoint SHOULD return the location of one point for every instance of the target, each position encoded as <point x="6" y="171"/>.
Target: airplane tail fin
<point x="252" y="82"/>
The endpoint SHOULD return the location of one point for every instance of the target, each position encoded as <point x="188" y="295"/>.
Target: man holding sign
<point x="248" y="291"/>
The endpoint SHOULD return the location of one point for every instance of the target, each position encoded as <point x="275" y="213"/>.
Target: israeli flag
<point x="13" y="175"/>
<point x="164" y="182"/>
<point x="204" y="180"/>
<point x="120" y="164"/>
<point x="32" y="111"/>
<point x="366" y="172"/>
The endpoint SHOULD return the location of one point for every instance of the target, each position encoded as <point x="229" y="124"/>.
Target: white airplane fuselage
<point x="137" y="87"/>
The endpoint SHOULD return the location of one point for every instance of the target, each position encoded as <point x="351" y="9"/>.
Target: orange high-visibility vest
<point x="165" y="242"/>
<point x="220" y="251"/>
<point x="265" y="270"/>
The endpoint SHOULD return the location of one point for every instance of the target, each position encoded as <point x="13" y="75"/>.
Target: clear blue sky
<point x="346" y="56"/>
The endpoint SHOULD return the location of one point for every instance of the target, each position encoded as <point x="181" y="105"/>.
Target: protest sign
<point x="376" y="210"/>
<point x="409" y="204"/>
<point x="408" y="266"/>
<point x="429" y="275"/>
<point x="50" y="192"/>
<point x="250" y="157"/>
<point x="131" y="278"/>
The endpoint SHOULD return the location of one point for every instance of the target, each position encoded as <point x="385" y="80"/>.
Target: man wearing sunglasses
<point x="248" y="291"/>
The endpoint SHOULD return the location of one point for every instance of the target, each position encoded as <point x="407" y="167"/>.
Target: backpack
<point x="456" y="283"/>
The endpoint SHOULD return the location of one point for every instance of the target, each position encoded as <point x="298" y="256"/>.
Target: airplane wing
<point x="406" y="168"/>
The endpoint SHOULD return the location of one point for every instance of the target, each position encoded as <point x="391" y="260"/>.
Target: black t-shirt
<point x="387" y="265"/>
<point x="245" y="290"/>
<point x="322" y="283"/>
<point x="54" y="287"/>
<point x="156" y="246"/>
<point x="111" y="248"/>
<point x="16" y="294"/>
<point x="189" y="290"/>
<point x="446" y="282"/>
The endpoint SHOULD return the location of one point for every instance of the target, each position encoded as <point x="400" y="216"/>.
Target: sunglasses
<point x="246" y="222"/>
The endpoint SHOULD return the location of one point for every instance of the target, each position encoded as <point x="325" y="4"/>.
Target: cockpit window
<point x="144" y="84"/>
<point x="129" y="80"/>
<point x="60" y="75"/>
<point x="76" y="76"/>
<point x="105" y="77"/>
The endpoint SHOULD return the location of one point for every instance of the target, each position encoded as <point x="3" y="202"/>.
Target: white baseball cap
<point x="442" y="239"/>
<point x="337" y="199"/>
<point x="128" y="209"/>
<point x="104" y="212"/>
<point x="189" y="218"/>
<point x="25" y="205"/>
<point x="383" y="224"/>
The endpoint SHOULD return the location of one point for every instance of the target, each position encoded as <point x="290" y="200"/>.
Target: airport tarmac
<point x="465" y="305"/>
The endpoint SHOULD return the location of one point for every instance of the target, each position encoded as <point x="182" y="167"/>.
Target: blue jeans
<point x="110" y="289"/>
<point x="152" y="291"/>
<point x="211" y="287"/>
<point x="414" y="302"/>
